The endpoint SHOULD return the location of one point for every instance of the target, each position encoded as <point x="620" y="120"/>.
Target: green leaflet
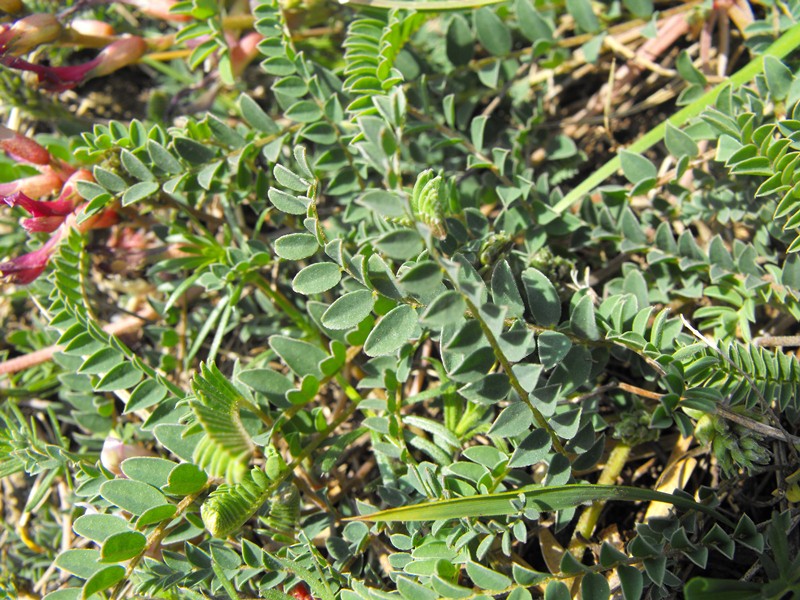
<point x="426" y="5"/>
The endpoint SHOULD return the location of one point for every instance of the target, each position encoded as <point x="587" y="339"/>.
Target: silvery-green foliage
<point x="384" y="280"/>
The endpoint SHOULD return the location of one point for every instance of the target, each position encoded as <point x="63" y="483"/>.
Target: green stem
<point x="453" y="411"/>
<point x="780" y="48"/>
<point x="313" y="445"/>
<point x="153" y="540"/>
<point x="224" y="581"/>
<point x="469" y="418"/>
<point x="538" y="417"/>
<point x="589" y="517"/>
<point x="283" y="303"/>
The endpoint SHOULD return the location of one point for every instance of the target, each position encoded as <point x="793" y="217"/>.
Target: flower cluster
<point x="47" y="216"/>
<point x="28" y="33"/>
<point x="57" y="216"/>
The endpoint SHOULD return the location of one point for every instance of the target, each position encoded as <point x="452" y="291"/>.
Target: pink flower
<point x="27" y="33"/>
<point x="48" y="215"/>
<point x="160" y="9"/>
<point x="46" y="218"/>
<point x="23" y="149"/>
<point x="36" y="186"/>
<point x="58" y="79"/>
<point x="57" y="217"/>
<point x="28" y="267"/>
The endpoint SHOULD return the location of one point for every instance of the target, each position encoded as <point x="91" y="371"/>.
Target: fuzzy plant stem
<point x="589" y="517"/>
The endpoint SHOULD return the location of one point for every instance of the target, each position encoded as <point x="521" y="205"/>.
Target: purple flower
<point x="28" y="267"/>
<point x="58" y="79"/>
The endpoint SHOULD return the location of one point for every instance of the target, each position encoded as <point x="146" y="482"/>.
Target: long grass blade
<point x="540" y="498"/>
<point x="779" y="49"/>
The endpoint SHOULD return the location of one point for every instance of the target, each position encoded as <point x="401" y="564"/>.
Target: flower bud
<point x="244" y="51"/>
<point x="117" y="55"/>
<point x="36" y="186"/>
<point x="107" y="218"/>
<point x="92" y="27"/>
<point x="21" y="148"/>
<point x="114" y="452"/>
<point x="301" y="592"/>
<point x="24" y="269"/>
<point x="28" y="33"/>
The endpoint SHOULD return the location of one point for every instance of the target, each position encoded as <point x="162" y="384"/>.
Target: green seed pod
<point x="749" y="443"/>
<point x="705" y="429"/>
<point x="737" y="455"/>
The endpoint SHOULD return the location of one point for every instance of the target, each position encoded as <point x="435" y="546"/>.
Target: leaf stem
<point x="279" y="300"/>
<point x="538" y="417"/>
<point x="589" y="517"/>
<point x="155" y="538"/>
